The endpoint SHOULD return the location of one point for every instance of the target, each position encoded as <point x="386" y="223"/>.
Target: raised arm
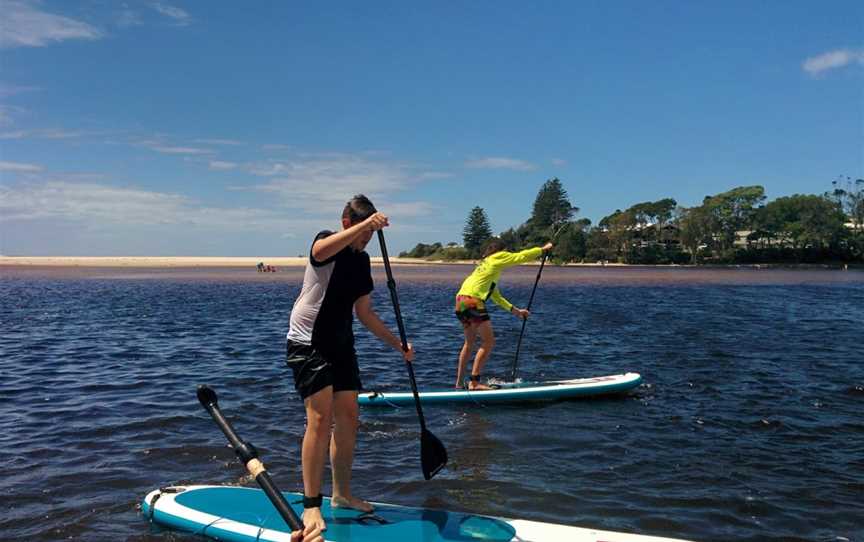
<point x="331" y="245"/>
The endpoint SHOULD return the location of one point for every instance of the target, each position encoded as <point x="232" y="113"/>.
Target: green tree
<point x="476" y="231"/>
<point x="849" y="196"/>
<point x="620" y="227"/>
<point x="806" y="221"/>
<point x="551" y="209"/>
<point x="733" y="212"/>
<point x="696" y="226"/>
<point x="572" y="242"/>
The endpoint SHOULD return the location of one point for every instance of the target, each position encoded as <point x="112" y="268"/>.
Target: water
<point x="748" y="426"/>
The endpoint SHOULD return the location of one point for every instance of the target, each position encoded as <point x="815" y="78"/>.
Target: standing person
<point x="320" y="352"/>
<point x="471" y="305"/>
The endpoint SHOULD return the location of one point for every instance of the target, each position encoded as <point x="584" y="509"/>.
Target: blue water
<point x="748" y="427"/>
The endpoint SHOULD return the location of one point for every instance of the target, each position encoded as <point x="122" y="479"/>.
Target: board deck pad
<point x="240" y="514"/>
<point x="512" y="392"/>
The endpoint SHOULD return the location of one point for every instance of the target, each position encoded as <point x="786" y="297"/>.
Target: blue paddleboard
<point x="239" y="514"/>
<point x="511" y="393"/>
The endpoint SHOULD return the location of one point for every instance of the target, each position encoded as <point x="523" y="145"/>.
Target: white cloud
<point x="19" y="167"/>
<point x="500" y="163"/>
<point x="105" y="205"/>
<point x="127" y="17"/>
<point x="44" y="133"/>
<point x="320" y="185"/>
<point x="559" y="162"/>
<point x="181" y="150"/>
<point x="25" y="25"/>
<point x="11" y="90"/>
<point x="276" y="147"/>
<point x="219" y="165"/>
<point x="180" y="16"/>
<point x="219" y="141"/>
<point x="816" y="65"/>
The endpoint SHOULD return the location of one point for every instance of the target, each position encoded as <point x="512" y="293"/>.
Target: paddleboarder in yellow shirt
<point x="481" y="285"/>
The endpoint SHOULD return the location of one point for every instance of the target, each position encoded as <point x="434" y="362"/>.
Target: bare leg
<point x="487" y="336"/>
<point x="465" y="353"/>
<point x="346" y="416"/>
<point x="319" y="416"/>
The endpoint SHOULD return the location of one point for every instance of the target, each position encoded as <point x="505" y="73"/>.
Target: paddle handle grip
<point x="249" y="455"/>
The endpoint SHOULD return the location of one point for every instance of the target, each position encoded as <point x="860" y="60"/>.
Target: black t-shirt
<point x="323" y="313"/>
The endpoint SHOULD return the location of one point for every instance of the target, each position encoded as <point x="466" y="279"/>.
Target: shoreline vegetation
<point x="169" y="262"/>
<point x="738" y="227"/>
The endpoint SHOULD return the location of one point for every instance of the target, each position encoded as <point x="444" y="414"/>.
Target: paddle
<point x="525" y="320"/>
<point x="531" y="300"/>
<point x="249" y="455"/>
<point x="433" y="455"/>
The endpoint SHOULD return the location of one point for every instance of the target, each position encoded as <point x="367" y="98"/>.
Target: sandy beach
<point x="168" y="261"/>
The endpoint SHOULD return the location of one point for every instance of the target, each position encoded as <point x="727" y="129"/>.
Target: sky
<point x="212" y="128"/>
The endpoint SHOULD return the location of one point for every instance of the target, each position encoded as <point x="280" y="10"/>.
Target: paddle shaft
<point x="525" y="320"/>
<point x="247" y="453"/>
<point x="391" y="285"/>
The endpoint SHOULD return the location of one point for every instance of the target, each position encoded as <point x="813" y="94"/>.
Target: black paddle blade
<point x="433" y="455"/>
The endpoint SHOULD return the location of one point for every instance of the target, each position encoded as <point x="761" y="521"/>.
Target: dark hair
<point x="358" y="209"/>
<point x="493" y="245"/>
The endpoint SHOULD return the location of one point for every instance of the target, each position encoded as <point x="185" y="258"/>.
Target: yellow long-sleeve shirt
<point x="481" y="283"/>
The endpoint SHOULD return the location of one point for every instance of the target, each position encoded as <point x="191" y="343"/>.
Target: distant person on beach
<point x="481" y="285"/>
<point x="320" y="351"/>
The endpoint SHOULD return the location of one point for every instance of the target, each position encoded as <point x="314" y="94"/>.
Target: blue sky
<point x="240" y="129"/>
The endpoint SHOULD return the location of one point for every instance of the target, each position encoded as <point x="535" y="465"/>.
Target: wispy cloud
<point x="220" y="165"/>
<point x="275" y="147"/>
<point x="181" y="150"/>
<point x="105" y="205"/>
<point x="19" y="167"/>
<point x="11" y="90"/>
<point x="500" y="163"/>
<point x="816" y="65"/>
<point x="46" y="133"/>
<point x="24" y="24"/>
<point x="127" y="17"/>
<point x="180" y="16"/>
<point x="559" y="162"/>
<point x="219" y="142"/>
<point x="316" y="186"/>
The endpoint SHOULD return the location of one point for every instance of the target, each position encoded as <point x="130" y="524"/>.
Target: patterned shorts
<point x="470" y="310"/>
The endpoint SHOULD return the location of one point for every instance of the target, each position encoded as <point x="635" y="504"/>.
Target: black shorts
<point x="314" y="370"/>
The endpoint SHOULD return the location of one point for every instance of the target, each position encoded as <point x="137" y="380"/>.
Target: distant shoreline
<point x="170" y="262"/>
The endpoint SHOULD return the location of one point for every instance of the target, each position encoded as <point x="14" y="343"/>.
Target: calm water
<point x="749" y="426"/>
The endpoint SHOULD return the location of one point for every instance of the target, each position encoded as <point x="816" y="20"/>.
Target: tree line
<point x="736" y="226"/>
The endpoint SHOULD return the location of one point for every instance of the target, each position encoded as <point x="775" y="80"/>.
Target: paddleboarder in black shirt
<point x="321" y="354"/>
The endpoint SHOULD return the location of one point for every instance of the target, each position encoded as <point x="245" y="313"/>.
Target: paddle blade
<point x="433" y="455"/>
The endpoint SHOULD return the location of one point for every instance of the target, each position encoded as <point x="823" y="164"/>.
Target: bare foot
<point x="312" y="516"/>
<point x="476" y="386"/>
<point x="354" y="503"/>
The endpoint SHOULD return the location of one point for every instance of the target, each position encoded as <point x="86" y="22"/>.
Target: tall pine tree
<point x="477" y="231"/>
<point x="551" y="207"/>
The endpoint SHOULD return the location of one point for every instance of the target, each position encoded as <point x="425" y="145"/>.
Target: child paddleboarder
<point x="320" y="352"/>
<point x="481" y="285"/>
